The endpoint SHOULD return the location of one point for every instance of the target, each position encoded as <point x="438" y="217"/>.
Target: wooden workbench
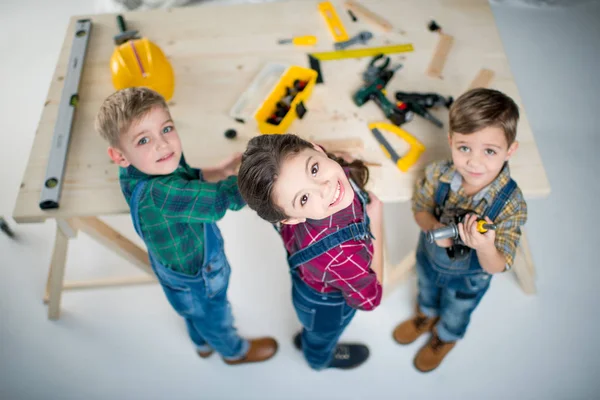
<point x="216" y="51"/>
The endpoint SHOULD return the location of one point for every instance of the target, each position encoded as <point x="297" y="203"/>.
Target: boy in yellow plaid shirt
<point x="453" y="275"/>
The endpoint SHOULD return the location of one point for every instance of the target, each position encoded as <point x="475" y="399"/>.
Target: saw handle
<point x="416" y="148"/>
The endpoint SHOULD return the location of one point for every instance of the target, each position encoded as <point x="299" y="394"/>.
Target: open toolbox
<point x="276" y="97"/>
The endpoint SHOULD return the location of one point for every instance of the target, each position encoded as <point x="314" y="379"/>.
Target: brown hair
<point x="260" y="167"/>
<point x="122" y="108"/>
<point x="480" y="108"/>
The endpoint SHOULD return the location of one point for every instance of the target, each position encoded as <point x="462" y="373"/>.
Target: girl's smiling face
<point x="310" y="185"/>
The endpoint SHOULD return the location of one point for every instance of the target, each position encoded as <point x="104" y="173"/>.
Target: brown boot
<point x="432" y="354"/>
<point x="408" y="331"/>
<point x="260" y="350"/>
<point x="204" y="354"/>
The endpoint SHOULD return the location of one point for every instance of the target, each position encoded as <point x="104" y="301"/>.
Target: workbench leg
<point x="112" y="239"/>
<point x="69" y="229"/>
<point x="524" y="267"/>
<point x="397" y="274"/>
<point x="56" y="274"/>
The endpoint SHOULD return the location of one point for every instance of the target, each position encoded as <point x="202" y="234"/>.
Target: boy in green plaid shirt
<point x="453" y="276"/>
<point x="174" y="209"/>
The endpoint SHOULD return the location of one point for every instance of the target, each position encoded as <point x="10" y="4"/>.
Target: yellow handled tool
<point x="407" y="160"/>
<point x="333" y="21"/>
<point x="308" y="40"/>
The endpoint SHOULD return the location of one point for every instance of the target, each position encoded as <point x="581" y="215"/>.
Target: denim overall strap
<point x="441" y="194"/>
<point x="135" y="203"/>
<point x="322" y="246"/>
<point x="500" y="201"/>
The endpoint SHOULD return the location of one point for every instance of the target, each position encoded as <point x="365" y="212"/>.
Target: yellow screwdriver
<point x="308" y="40"/>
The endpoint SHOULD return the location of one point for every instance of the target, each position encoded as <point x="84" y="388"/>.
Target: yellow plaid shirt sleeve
<point x="509" y="222"/>
<point x="423" y="198"/>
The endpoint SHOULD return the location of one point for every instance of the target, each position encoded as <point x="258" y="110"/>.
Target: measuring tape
<point x="315" y="59"/>
<point x="62" y="130"/>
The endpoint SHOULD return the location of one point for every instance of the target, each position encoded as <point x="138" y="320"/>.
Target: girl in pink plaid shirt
<point x="332" y="237"/>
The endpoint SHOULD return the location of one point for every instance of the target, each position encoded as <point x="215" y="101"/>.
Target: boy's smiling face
<point x="480" y="156"/>
<point x="151" y="144"/>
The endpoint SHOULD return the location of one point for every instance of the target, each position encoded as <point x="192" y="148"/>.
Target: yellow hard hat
<point x="140" y="62"/>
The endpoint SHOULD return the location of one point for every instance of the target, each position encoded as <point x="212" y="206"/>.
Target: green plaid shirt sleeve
<point x="423" y="198"/>
<point x="182" y="200"/>
<point x="509" y="223"/>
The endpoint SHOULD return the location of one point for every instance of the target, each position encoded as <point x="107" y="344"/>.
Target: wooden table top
<point x="217" y="50"/>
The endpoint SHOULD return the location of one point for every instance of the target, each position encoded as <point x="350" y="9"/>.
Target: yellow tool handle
<point x="483" y="226"/>
<point x="308" y="40"/>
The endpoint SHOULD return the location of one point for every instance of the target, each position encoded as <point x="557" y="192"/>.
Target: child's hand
<point x="224" y="169"/>
<point x="472" y="237"/>
<point x="375" y="208"/>
<point x="230" y="165"/>
<point x="442" y="242"/>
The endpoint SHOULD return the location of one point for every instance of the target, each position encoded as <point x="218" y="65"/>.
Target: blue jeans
<point x="324" y="317"/>
<point x="448" y="289"/>
<point x="201" y="299"/>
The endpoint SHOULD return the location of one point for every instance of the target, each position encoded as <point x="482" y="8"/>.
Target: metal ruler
<point x="314" y="59"/>
<point x="55" y="170"/>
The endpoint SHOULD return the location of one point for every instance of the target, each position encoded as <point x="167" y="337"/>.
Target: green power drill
<point x="376" y="77"/>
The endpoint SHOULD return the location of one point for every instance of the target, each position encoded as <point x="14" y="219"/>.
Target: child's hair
<point x="481" y="108"/>
<point x="122" y="108"/>
<point x="261" y="164"/>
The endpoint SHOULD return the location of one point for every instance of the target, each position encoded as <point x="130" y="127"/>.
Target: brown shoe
<point x="432" y="354"/>
<point x="204" y="354"/>
<point x="260" y="350"/>
<point x="408" y="331"/>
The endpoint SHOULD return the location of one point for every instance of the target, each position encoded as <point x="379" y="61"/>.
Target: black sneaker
<point x="298" y="341"/>
<point x="348" y="356"/>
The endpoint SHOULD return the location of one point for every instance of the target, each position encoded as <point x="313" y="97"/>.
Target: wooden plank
<point x="523" y="267"/>
<point x="109" y="282"/>
<point x="57" y="273"/>
<point x="483" y="79"/>
<point x="349" y="145"/>
<point x="442" y="50"/>
<point x="396" y="274"/>
<point x="106" y="282"/>
<point x="112" y="239"/>
<point x="214" y="66"/>
<point x="369" y="16"/>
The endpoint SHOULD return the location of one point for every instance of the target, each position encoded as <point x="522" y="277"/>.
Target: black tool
<point x="433" y="26"/>
<point x="419" y="103"/>
<point x="230" y="133"/>
<point x="283" y="106"/>
<point x="354" y="19"/>
<point x="375" y="78"/>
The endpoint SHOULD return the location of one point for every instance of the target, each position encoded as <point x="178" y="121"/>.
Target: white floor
<point x="128" y="344"/>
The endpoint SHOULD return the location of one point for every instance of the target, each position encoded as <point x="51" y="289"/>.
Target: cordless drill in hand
<point x="451" y="219"/>
<point x="376" y="78"/>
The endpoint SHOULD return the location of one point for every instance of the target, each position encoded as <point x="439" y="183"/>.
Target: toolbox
<point x="274" y="80"/>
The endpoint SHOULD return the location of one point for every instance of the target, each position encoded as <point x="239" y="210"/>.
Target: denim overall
<point x="200" y="299"/>
<point x="324" y="316"/>
<point x="452" y="288"/>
